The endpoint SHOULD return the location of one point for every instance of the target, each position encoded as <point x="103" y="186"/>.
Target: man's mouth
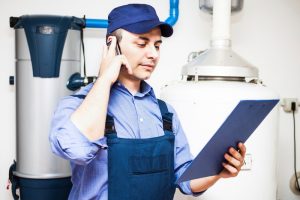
<point x="148" y="65"/>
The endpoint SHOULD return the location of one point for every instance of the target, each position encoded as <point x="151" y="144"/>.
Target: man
<point x="121" y="141"/>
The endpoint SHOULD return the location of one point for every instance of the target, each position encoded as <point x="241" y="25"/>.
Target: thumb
<point x="126" y="64"/>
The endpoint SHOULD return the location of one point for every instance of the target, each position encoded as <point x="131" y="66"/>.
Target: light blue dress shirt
<point x="135" y="116"/>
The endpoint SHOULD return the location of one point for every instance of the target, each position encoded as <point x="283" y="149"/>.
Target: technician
<point x="122" y="142"/>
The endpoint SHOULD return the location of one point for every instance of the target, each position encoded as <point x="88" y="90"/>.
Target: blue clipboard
<point x="238" y="127"/>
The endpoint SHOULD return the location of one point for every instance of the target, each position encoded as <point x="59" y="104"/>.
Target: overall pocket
<point x="150" y="178"/>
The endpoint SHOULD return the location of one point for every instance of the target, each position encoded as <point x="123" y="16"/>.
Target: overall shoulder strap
<point x="109" y="123"/>
<point x="166" y="115"/>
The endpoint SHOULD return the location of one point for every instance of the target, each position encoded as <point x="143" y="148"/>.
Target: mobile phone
<point x="118" y="50"/>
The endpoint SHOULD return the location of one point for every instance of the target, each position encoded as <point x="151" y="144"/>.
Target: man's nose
<point x="152" y="52"/>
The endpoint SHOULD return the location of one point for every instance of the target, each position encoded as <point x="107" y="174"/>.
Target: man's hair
<point x="117" y="33"/>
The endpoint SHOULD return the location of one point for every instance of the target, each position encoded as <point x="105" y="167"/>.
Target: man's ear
<point x="108" y="40"/>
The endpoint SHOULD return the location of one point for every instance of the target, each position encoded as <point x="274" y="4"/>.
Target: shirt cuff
<point x="101" y="143"/>
<point x="74" y="137"/>
<point x="185" y="188"/>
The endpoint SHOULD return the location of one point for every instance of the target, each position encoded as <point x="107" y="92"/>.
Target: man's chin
<point x="146" y="78"/>
<point x="139" y="77"/>
<point x="143" y="76"/>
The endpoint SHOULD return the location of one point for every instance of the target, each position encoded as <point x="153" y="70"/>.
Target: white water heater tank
<point x="202" y="106"/>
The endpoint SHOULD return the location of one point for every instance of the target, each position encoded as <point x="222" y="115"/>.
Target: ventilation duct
<point x="219" y="61"/>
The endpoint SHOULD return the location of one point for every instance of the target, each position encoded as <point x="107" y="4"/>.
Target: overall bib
<point x="141" y="169"/>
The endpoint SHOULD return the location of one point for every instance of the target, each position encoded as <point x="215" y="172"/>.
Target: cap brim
<point x="146" y="26"/>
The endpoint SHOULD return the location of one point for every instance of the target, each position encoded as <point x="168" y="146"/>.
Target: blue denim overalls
<point x="141" y="169"/>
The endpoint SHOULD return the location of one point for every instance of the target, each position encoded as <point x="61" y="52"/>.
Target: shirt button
<point x="141" y="119"/>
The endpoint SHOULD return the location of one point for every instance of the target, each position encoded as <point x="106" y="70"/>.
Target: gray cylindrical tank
<point x="47" y="54"/>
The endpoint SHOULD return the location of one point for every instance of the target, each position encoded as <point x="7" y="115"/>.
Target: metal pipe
<point x="103" y="23"/>
<point x="221" y="23"/>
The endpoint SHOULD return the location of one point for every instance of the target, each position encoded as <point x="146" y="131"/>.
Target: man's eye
<point x="141" y="45"/>
<point x="157" y="47"/>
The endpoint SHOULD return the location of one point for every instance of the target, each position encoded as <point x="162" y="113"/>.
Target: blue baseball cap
<point x="136" y="18"/>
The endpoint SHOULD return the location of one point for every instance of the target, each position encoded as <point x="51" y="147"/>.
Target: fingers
<point x="108" y="53"/>
<point x="242" y="149"/>
<point x="126" y="64"/>
<point x="235" y="154"/>
<point x="112" y="63"/>
<point x="111" y="49"/>
<point x="238" y="154"/>
<point x="236" y="158"/>
<point x="233" y="161"/>
<point x="112" y="52"/>
<point x="104" y="52"/>
<point x="109" y="56"/>
<point x="233" y="166"/>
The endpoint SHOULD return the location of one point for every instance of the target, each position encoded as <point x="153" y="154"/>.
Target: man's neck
<point x="133" y="86"/>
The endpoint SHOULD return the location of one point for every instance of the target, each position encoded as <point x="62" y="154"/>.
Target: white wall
<point x="266" y="33"/>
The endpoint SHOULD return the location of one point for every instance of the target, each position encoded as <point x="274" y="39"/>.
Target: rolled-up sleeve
<point x="66" y="139"/>
<point x="183" y="156"/>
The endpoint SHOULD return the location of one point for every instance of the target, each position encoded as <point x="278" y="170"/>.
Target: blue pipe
<point x="103" y="23"/>
<point x="174" y="12"/>
<point x="96" y="23"/>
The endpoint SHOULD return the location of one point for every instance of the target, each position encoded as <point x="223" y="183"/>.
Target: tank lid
<point x="221" y="62"/>
<point x="61" y="23"/>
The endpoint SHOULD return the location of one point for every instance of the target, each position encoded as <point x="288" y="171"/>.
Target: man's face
<point x="142" y="52"/>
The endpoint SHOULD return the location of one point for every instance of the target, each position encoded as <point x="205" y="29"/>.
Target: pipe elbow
<point x="172" y="19"/>
<point x="174" y="12"/>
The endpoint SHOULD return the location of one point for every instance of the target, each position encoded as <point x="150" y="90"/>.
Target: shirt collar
<point x="145" y="89"/>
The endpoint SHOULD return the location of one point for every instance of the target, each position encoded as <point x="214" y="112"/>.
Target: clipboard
<point x="238" y="127"/>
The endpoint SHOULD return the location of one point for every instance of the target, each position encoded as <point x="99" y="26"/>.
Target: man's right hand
<point x="111" y="63"/>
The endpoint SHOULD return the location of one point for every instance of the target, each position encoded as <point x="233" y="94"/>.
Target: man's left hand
<point x="235" y="160"/>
